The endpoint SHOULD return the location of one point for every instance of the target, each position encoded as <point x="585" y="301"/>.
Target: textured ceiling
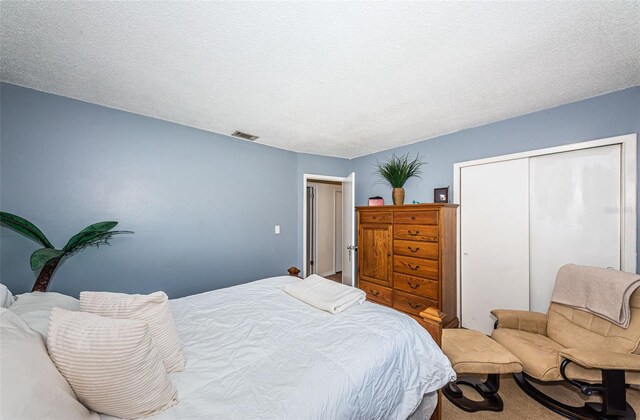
<point x="340" y="79"/>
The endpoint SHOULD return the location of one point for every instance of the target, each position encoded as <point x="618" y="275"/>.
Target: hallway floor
<point x="336" y="277"/>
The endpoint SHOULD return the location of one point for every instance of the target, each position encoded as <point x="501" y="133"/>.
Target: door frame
<point x="306" y="178"/>
<point x="335" y="253"/>
<point x="315" y="225"/>
<point x="628" y="186"/>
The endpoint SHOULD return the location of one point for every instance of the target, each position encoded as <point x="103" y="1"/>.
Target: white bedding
<point x="252" y="351"/>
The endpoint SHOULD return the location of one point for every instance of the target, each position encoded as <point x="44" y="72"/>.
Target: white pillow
<point x="32" y="387"/>
<point x="34" y="308"/>
<point x="153" y="308"/>
<point x="111" y="364"/>
<point x="6" y="298"/>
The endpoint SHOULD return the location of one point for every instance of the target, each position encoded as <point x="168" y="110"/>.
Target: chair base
<point x="590" y="411"/>
<point x="487" y="389"/>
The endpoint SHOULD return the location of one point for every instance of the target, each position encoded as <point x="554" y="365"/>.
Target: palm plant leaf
<point x="398" y="169"/>
<point x="43" y="255"/>
<point x="100" y="227"/>
<point x="25" y="227"/>
<point x="85" y="239"/>
<point x="87" y="234"/>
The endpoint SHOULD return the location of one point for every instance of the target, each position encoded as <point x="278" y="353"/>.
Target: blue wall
<point x="203" y="206"/>
<point x="608" y="115"/>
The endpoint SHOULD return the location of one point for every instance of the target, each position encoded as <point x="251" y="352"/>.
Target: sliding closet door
<point x="574" y="215"/>
<point x="494" y="211"/>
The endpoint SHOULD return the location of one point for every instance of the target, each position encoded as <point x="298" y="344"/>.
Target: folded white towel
<point x="325" y="294"/>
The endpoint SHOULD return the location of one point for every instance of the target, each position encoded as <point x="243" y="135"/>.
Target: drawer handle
<point x="414" y="234"/>
<point x="375" y="217"/>
<point x="414" y="305"/>
<point x="412" y="285"/>
<point x="414" y="250"/>
<point x="375" y="292"/>
<point x="412" y="267"/>
<point x="413" y="217"/>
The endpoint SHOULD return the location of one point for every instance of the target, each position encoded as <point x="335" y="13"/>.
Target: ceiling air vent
<point x="245" y="136"/>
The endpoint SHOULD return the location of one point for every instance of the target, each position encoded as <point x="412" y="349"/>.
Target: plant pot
<point x="398" y="196"/>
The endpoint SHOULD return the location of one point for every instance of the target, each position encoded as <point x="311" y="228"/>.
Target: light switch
<point x="277" y="230"/>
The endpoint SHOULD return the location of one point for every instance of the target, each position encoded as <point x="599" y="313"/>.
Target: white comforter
<point x="254" y="352"/>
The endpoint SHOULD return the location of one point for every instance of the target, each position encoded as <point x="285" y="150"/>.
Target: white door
<point x="574" y="215"/>
<point x="348" y="230"/>
<point x="494" y="211"/>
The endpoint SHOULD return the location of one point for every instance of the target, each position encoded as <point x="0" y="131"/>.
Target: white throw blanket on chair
<point x="603" y="292"/>
<point x="325" y="294"/>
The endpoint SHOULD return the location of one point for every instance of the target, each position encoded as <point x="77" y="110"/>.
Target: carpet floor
<point x="518" y="405"/>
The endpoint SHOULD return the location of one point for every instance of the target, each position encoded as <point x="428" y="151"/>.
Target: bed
<point x="253" y="351"/>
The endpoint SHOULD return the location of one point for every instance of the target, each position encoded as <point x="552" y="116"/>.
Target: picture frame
<point x="441" y="195"/>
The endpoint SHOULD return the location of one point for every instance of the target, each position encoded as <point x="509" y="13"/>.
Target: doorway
<point x="324" y="221"/>
<point x="328" y="227"/>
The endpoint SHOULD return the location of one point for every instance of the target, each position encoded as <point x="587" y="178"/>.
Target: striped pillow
<point x="111" y="364"/>
<point x="153" y="308"/>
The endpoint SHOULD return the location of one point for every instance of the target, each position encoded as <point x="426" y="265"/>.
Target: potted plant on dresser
<point x="396" y="170"/>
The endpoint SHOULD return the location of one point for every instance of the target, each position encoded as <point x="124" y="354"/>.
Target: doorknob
<point x="351" y="248"/>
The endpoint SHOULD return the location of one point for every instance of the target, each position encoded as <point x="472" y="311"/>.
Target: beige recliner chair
<point x="589" y="352"/>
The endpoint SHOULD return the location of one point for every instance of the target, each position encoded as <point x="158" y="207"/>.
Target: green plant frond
<point x="396" y="170"/>
<point x="100" y="227"/>
<point x="25" y="227"/>
<point x="87" y="233"/>
<point x="90" y="238"/>
<point x="43" y="255"/>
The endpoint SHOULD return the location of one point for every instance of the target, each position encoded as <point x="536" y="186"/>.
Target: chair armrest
<point x="533" y="322"/>
<point x="604" y="360"/>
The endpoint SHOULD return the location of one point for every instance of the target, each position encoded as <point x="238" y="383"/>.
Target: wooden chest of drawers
<point x="407" y="257"/>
